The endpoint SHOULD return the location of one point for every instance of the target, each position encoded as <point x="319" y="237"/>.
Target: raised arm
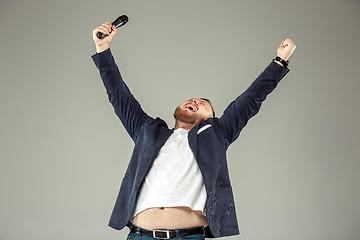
<point x="126" y="107"/>
<point x="237" y="114"/>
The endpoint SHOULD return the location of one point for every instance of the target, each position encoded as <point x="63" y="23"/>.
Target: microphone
<point x="120" y="21"/>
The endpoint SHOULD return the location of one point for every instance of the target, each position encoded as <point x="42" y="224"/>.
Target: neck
<point x="186" y="126"/>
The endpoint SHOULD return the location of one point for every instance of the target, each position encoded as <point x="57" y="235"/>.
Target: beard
<point x="185" y="116"/>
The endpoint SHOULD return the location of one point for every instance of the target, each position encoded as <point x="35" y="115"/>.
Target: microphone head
<point x="120" y="21"/>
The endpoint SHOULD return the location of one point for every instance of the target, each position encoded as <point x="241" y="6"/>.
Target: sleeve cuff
<point x="103" y="57"/>
<point x="106" y="52"/>
<point x="279" y="69"/>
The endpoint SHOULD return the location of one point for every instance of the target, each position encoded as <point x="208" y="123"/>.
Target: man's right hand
<point x="104" y="43"/>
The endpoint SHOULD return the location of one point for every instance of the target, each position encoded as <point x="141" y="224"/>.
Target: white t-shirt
<point x="174" y="179"/>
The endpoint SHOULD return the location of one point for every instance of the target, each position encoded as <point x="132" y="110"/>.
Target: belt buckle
<point x="162" y="231"/>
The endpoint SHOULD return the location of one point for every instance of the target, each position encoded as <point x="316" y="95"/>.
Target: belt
<point x="167" y="234"/>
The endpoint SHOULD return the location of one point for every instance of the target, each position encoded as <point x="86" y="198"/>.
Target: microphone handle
<point x="120" y="21"/>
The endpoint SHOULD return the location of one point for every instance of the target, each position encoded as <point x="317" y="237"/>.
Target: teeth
<point x="191" y="107"/>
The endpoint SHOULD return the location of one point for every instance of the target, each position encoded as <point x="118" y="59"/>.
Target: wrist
<point x="101" y="48"/>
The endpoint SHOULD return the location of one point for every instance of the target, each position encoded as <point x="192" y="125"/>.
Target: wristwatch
<point x="282" y="61"/>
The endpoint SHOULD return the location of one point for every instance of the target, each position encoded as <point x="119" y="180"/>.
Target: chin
<point x="185" y="116"/>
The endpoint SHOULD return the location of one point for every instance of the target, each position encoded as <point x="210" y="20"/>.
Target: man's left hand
<point x="286" y="49"/>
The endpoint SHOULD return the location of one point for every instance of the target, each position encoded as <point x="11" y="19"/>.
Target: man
<point x="177" y="182"/>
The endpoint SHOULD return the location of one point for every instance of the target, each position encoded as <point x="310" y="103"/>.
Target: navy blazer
<point x="208" y="140"/>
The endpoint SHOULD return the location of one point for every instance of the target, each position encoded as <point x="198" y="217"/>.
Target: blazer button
<point x="136" y="187"/>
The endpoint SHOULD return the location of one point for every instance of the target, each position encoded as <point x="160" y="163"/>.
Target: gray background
<point x="295" y="167"/>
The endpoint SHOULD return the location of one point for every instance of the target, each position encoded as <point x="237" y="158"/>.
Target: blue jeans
<point x="136" y="236"/>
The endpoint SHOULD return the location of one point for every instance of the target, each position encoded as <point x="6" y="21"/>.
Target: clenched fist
<point x="104" y="43"/>
<point x="286" y="49"/>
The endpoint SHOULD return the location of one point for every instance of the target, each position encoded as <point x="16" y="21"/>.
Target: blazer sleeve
<point x="126" y="107"/>
<point x="245" y="106"/>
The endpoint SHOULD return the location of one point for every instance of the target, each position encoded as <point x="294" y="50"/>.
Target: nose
<point x="194" y="101"/>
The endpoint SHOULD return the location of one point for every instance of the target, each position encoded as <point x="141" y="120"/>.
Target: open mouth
<point x="191" y="107"/>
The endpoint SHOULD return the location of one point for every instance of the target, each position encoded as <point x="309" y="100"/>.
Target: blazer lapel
<point x="192" y="136"/>
<point x="162" y="138"/>
<point x="203" y="128"/>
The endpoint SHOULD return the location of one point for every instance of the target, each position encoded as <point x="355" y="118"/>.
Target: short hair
<point x="205" y="99"/>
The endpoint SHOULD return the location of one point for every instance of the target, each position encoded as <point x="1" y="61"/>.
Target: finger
<point x="287" y="42"/>
<point x="108" y="26"/>
<point x="114" y="30"/>
<point x="283" y="43"/>
<point x="104" y="29"/>
<point x="96" y="31"/>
